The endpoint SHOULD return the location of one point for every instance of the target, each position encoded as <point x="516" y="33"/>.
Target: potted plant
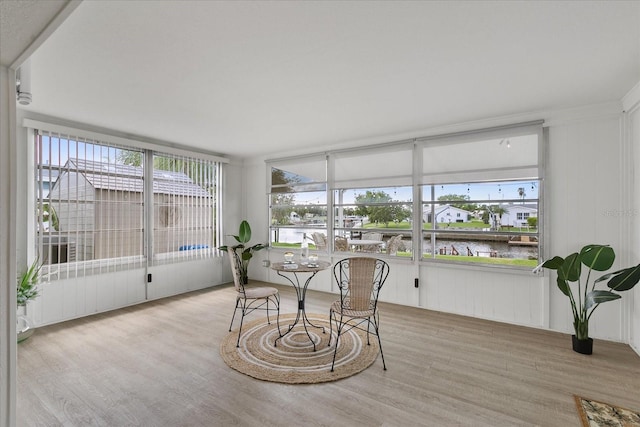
<point x="27" y="289"/>
<point x="244" y="251"/>
<point x="587" y="298"/>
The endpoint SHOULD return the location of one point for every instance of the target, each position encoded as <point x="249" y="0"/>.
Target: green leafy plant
<point x="245" y="252"/>
<point x="587" y="298"/>
<point x="28" y="284"/>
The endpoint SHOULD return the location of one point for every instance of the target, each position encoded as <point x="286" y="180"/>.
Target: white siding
<point x="580" y="178"/>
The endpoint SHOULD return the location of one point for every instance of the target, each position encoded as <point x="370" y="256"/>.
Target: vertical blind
<point x="184" y="207"/>
<point x="92" y="216"/>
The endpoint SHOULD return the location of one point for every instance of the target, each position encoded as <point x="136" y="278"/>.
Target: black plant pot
<point x="582" y="346"/>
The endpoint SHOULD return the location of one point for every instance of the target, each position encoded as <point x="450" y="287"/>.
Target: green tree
<point x="374" y="205"/>
<point x="496" y="216"/>
<point x="456" y="199"/>
<point x="197" y="171"/>
<point x="131" y="158"/>
<point x="522" y="193"/>
<point x="281" y="207"/>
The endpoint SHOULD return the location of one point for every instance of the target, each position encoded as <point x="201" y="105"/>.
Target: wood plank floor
<point x="158" y="364"/>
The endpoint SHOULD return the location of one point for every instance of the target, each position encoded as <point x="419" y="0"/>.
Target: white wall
<point x="82" y="296"/>
<point x="585" y="152"/>
<point x="584" y="175"/>
<point x="631" y="104"/>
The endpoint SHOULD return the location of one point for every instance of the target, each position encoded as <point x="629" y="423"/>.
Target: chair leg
<point x="234" y="314"/>
<point x="278" y="313"/>
<point x="244" y="309"/>
<point x="330" y="327"/>
<point x="375" y="324"/>
<point x="240" y="329"/>
<point x="268" y="320"/>
<point x="339" y="326"/>
<point x="335" y="350"/>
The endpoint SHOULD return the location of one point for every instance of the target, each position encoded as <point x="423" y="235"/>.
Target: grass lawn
<point x="531" y="263"/>
<point x="486" y="260"/>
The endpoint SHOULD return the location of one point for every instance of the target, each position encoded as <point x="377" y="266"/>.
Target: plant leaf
<point x="553" y="263"/>
<point x="244" y="234"/>
<point x="626" y="279"/>
<point x="246" y="254"/>
<point x="597" y="297"/>
<point x="598" y="257"/>
<point x="570" y="268"/>
<point x="258" y="247"/>
<point x="564" y="286"/>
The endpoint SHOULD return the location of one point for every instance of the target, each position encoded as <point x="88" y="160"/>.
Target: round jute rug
<point x="293" y="361"/>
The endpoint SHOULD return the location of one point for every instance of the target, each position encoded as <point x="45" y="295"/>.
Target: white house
<point x="516" y="215"/>
<point x="447" y="214"/>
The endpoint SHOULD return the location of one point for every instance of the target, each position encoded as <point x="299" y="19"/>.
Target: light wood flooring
<point x="158" y="364"/>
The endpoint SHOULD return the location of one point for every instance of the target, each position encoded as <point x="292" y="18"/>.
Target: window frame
<point x="303" y="177"/>
<point x="498" y="233"/>
<point x="146" y="149"/>
<point x="532" y="169"/>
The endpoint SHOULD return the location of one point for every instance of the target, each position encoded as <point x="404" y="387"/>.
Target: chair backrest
<point x="360" y="279"/>
<point x="320" y="240"/>
<point x="234" y="259"/>
<point x="372" y="236"/>
<point x="393" y="244"/>
<point x="342" y="244"/>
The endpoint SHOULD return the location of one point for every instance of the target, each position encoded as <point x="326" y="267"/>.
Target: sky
<point x="479" y="191"/>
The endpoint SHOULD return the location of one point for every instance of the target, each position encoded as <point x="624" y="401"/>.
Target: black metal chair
<point x="251" y="298"/>
<point x="360" y="280"/>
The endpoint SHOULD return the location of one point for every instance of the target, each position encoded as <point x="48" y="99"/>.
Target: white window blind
<point x="497" y="154"/>
<point x="298" y="174"/>
<point x="374" y="166"/>
<point x="89" y="206"/>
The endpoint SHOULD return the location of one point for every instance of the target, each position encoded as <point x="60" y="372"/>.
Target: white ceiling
<point x="251" y="78"/>
<point x="21" y="22"/>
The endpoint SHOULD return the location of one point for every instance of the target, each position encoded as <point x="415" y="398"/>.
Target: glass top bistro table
<point x="301" y="290"/>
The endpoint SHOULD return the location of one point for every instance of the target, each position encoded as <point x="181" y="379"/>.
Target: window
<point x="470" y="197"/>
<point x="490" y="181"/>
<point x="184" y="207"/>
<point x="373" y="219"/>
<point x="492" y="230"/>
<point x="89" y="206"/>
<point x="298" y="204"/>
<point x="373" y="198"/>
<point x="96" y="202"/>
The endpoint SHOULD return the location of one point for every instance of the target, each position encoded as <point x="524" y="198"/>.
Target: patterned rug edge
<point x="622" y="416"/>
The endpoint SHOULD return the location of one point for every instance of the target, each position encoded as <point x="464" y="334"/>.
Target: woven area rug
<point x="599" y="414"/>
<point x="293" y="361"/>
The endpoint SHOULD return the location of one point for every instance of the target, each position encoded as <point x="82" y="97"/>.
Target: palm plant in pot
<point x="587" y="298"/>
<point x="244" y="251"/>
<point x="26" y="290"/>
